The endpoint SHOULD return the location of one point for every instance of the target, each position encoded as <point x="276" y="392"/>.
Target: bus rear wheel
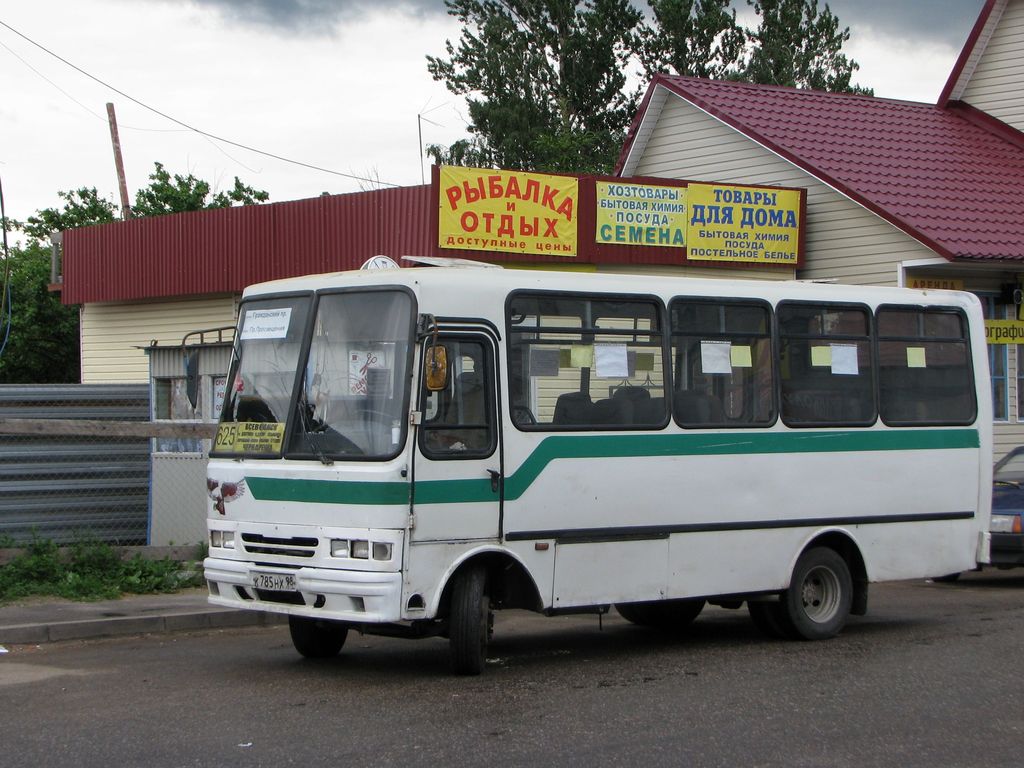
<point x="469" y="623"/>
<point x="666" y="615"/>
<point x="817" y="603"/>
<point x="317" y="638"/>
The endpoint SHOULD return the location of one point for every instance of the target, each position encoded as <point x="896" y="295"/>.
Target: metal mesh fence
<point x="66" y="483"/>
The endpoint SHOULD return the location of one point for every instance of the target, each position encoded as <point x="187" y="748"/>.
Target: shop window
<point x="170" y="403"/>
<point x="924" y="367"/>
<point x="722" y="362"/>
<point x="825" y="365"/>
<point x="997" y="360"/>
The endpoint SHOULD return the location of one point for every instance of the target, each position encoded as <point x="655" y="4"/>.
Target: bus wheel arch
<point x="821" y="593"/>
<point x="508" y="582"/>
<point x="845" y="546"/>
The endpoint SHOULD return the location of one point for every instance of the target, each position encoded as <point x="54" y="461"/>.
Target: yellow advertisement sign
<point x="935" y="283"/>
<point x="249" y="437"/>
<point x="512" y="211"/>
<point x="641" y="214"/>
<point x="1004" y="331"/>
<point x="753" y="225"/>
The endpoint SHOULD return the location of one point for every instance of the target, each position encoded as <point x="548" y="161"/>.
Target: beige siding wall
<point x="843" y="241"/>
<point x="996" y="85"/>
<point x="113" y="334"/>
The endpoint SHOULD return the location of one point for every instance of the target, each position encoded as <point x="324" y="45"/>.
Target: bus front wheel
<point x="817" y="603"/>
<point x="316" y="638"/>
<point x="469" y="624"/>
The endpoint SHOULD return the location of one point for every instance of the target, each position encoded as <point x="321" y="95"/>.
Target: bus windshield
<point x="336" y="391"/>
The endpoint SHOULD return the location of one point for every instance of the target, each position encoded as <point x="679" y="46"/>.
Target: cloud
<point x="312" y="16"/>
<point x="941" y="21"/>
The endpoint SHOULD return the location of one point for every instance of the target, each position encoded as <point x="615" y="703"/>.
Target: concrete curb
<point x="37" y="633"/>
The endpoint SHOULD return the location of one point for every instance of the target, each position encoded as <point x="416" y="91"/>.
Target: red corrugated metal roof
<point x="949" y="177"/>
<point x="223" y="250"/>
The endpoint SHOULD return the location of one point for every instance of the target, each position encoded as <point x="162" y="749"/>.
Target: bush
<point x="88" y="570"/>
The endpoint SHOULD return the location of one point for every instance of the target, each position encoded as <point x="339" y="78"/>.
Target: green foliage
<point x="545" y="82"/>
<point x="43" y="341"/>
<point x="166" y="194"/>
<point x="82" y="208"/>
<point x="88" y="570"/>
<point x="695" y="38"/>
<point x="799" y="46"/>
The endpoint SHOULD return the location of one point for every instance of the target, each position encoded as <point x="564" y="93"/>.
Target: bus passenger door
<point x="457" y="464"/>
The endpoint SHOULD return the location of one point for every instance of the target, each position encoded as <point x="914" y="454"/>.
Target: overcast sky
<point x="336" y="84"/>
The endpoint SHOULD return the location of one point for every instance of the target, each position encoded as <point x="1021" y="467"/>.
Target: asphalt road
<point x="932" y="676"/>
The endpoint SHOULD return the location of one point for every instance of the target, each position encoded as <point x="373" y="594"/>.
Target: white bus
<point x="404" y="451"/>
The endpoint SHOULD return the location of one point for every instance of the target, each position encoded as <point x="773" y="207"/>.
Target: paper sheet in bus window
<point x="716" y="357"/>
<point x="266" y="323"/>
<point x="844" y="359"/>
<point x="612" y="361"/>
<point x="581" y="356"/>
<point x="821" y="357"/>
<point x="544" y="362"/>
<point x="740" y="356"/>
<point x="915" y="357"/>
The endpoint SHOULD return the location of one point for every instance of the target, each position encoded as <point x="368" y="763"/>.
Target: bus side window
<point x="458" y="421"/>
<point x="722" y="363"/>
<point x="924" y="367"/>
<point x="826" y="364"/>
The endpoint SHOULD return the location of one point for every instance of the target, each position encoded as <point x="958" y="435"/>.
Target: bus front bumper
<point x="370" y="597"/>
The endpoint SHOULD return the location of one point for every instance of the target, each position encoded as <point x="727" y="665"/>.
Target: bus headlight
<point x="224" y="539"/>
<point x="361" y="549"/>
<point x="339" y="547"/>
<point x="381" y="551"/>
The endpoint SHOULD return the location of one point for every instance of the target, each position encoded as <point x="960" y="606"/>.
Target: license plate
<point x="273" y="582"/>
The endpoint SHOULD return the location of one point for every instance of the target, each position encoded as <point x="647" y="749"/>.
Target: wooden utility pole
<point x="126" y="209"/>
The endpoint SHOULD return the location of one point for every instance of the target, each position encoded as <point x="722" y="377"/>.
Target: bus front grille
<point x="296" y="546"/>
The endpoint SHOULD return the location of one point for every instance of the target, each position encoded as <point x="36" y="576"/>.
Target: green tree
<point x="42" y="334"/>
<point x="82" y="207"/>
<point x="42" y="337"/>
<point x="799" y="46"/>
<point x="544" y="80"/>
<point x="696" y="38"/>
<point x="166" y="194"/>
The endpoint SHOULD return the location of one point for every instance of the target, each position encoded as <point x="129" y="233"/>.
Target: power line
<point x="191" y="127"/>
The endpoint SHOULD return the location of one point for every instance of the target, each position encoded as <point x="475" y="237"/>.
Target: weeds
<point x="88" y="570"/>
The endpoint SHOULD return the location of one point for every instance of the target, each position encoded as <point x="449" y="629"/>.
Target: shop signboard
<point x="510" y="211"/>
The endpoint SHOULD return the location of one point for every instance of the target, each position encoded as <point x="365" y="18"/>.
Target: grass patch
<point x="88" y="570"/>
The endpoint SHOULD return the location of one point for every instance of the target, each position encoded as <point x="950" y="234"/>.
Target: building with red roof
<point x="897" y="193"/>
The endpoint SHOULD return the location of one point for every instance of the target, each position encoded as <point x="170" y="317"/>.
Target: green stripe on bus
<point x="559" y="447"/>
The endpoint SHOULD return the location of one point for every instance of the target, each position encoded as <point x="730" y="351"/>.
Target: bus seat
<point x="692" y="407"/>
<point x="573" y="408"/>
<point x="612" y="411"/>
<point x="646" y="409"/>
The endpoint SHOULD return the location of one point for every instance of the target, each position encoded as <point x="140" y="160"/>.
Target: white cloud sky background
<point x="333" y="83"/>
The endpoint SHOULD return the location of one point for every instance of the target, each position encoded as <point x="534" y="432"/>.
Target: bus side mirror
<point x="436" y="368"/>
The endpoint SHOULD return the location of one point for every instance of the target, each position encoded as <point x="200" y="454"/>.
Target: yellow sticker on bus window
<point x="250" y="437"/>
<point x="644" y="362"/>
<point x="821" y="356"/>
<point x="582" y="356"/>
<point x="741" y="357"/>
<point x="915" y="357"/>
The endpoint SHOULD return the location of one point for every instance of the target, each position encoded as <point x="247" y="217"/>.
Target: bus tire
<point x="817" y="603"/>
<point x="317" y="638"/>
<point x="666" y="615"/>
<point x="469" y="622"/>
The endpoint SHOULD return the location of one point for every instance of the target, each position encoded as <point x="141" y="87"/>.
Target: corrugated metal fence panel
<point x="68" y="488"/>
